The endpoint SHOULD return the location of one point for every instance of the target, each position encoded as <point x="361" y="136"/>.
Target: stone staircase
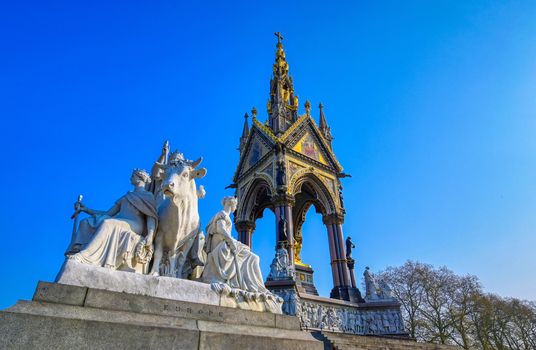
<point x="340" y="341"/>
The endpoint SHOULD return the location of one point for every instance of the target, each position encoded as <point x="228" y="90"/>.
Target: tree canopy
<point x="441" y="307"/>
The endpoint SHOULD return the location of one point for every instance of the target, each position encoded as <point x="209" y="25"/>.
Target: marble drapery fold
<point x="222" y="263"/>
<point x="114" y="242"/>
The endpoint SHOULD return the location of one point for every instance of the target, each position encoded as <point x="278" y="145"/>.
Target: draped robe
<point x="221" y="265"/>
<point x="114" y="241"/>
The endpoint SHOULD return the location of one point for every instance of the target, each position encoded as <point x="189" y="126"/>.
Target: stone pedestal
<point x="304" y="279"/>
<point x="74" y="317"/>
<point x="83" y="275"/>
<point x="346" y="293"/>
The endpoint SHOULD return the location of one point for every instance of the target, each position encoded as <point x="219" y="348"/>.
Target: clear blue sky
<point x="432" y="105"/>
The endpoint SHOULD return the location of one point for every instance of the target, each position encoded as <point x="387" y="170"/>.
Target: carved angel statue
<point x="229" y="261"/>
<point x="120" y="238"/>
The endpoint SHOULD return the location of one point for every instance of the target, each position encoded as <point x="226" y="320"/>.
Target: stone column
<point x="351" y="263"/>
<point x="333" y="257"/>
<point x="337" y="253"/>
<point x="245" y="231"/>
<point x="343" y="286"/>
<point x="283" y="211"/>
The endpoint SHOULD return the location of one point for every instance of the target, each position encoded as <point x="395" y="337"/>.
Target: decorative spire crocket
<point x="323" y="125"/>
<point x="283" y="103"/>
<point x="245" y="132"/>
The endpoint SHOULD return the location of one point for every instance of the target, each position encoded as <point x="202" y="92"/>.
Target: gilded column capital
<point x="283" y="199"/>
<point x="335" y="218"/>
<point x="351" y="263"/>
<point x="245" y="225"/>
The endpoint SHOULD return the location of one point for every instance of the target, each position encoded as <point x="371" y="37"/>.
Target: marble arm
<point x="110" y="212"/>
<point x="156" y="171"/>
<point x="226" y="235"/>
<point x="151" y="226"/>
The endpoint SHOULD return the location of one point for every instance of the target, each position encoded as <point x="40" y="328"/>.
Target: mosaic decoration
<point x="308" y="147"/>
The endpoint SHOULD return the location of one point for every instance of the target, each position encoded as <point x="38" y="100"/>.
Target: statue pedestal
<point x="350" y="294"/>
<point x="77" y="274"/>
<point x="73" y="317"/>
<point x="304" y="279"/>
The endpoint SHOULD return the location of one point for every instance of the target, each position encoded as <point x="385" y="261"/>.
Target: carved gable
<point x="257" y="146"/>
<point x="256" y="151"/>
<point x="310" y="148"/>
<point x="305" y="139"/>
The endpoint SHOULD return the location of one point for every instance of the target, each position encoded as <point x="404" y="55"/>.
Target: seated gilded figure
<point x="122" y="237"/>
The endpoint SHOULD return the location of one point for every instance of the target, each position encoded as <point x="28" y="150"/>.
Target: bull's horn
<point x="197" y="162"/>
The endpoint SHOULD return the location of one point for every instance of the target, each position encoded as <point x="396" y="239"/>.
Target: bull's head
<point x="179" y="179"/>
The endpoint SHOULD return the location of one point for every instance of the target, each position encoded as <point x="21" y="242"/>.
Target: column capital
<point x="245" y="225"/>
<point x="351" y="263"/>
<point x="283" y="199"/>
<point x="334" y="218"/>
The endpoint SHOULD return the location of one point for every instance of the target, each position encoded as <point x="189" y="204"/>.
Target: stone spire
<point x="245" y="131"/>
<point x="283" y="104"/>
<point x="323" y="125"/>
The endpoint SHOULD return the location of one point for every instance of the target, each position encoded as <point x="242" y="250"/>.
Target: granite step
<point x="340" y="341"/>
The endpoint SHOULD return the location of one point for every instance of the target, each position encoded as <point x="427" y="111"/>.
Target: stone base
<point x="304" y="279"/>
<point x="347" y="293"/>
<point x="72" y="317"/>
<point x="83" y="275"/>
<point x="351" y="342"/>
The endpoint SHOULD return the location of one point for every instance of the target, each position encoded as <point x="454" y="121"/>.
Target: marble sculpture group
<point x="155" y="229"/>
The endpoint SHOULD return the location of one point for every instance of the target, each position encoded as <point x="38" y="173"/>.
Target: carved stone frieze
<point x="349" y="319"/>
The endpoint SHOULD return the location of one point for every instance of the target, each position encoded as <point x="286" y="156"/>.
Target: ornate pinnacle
<point x="323" y="125"/>
<point x="253" y="112"/>
<point x="279" y="37"/>
<point x="245" y="133"/>
<point x="282" y="107"/>
<point x="307" y="107"/>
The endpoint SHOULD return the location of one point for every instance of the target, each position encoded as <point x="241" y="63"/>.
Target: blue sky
<point x="432" y="105"/>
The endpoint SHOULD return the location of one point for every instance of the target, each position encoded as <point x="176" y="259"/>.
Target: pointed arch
<point x="256" y="197"/>
<point x="308" y="183"/>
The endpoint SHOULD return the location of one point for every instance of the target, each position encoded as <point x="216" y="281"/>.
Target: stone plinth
<point x="74" y="317"/>
<point x="83" y="275"/>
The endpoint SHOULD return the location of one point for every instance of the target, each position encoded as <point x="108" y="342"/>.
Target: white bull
<point x="179" y="240"/>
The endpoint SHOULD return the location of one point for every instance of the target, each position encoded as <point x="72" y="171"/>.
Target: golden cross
<point x="279" y="36"/>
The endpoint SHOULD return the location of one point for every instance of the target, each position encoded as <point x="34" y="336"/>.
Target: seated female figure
<point x="124" y="234"/>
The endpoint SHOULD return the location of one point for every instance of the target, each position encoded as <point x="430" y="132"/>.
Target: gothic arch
<point x="256" y="197"/>
<point x="306" y="181"/>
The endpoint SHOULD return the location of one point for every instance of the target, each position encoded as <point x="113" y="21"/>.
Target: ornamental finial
<point x="279" y="37"/>
<point x="254" y="112"/>
<point x="307" y="107"/>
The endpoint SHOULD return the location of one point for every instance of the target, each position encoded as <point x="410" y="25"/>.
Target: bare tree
<point x="442" y="307"/>
<point x="406" y="283"/>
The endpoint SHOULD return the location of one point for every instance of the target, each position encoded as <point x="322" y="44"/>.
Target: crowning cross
<point x="279" y="37"/>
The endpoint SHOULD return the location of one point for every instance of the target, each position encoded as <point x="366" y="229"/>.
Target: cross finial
<point x="279" y="37"/>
